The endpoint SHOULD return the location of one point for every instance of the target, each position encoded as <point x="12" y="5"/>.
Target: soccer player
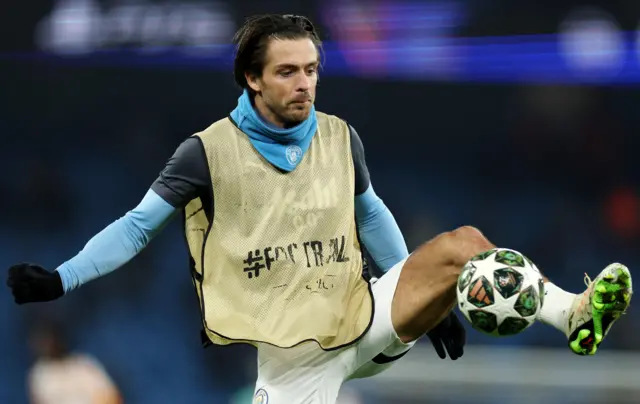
<point x="276" y="200"/>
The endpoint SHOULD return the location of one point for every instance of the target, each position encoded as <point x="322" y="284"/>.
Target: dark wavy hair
<point x="253" y="37"/>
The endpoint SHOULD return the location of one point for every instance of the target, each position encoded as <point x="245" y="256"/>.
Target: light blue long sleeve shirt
<point x="122" y="240"/>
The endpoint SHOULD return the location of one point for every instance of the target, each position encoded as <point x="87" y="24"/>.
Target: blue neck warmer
<point x="284" y="148"/>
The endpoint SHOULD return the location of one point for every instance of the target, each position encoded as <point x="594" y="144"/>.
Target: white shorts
<point x="306" y="374"/>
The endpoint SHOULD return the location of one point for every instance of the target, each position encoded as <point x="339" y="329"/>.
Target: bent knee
<point x="466" y="242"/>
<point x="467" y="233"/>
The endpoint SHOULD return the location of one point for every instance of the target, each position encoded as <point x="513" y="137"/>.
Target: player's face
<point x="287" y="89"/>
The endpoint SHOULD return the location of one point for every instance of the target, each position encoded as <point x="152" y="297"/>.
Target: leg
<point x="587" y="318"/>
<point x="380" y="347"/>
<point x="304" y="374"/>
<point x="413" y="297"/>
<point x="425" y="293"/>
<point x="381" y="362"/>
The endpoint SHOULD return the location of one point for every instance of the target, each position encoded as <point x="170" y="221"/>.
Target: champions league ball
<point x="500" y="292"/>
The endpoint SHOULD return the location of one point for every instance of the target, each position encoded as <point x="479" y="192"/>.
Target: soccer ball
<point x="500" y="292"/>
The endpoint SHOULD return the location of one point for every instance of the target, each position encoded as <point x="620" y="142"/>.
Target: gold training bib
<point x="281" y="262"/>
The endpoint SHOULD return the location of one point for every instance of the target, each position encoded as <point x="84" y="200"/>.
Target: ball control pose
<point x="277" y="202"/>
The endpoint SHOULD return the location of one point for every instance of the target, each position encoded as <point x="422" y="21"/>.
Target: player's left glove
<point x="450" y="335"/>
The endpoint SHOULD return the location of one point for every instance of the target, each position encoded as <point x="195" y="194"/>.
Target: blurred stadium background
<point x="518" y="117"/>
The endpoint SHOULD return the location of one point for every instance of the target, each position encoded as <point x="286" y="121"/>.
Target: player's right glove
<point x="32" y="283"/>
<point x="450" y="335"/>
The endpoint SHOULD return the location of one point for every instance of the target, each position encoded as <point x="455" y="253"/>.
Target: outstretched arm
<point x="185" y="177"/>
<point x="118" y="243"/>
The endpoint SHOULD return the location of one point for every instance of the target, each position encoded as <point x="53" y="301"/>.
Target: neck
<point x="265" y="113"/>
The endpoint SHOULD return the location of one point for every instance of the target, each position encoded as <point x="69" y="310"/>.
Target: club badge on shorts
<point x="293" y="154"/>
<point x="261" y="397"/>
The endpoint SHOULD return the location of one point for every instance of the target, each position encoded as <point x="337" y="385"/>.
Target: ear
<point x="253" y="82"/>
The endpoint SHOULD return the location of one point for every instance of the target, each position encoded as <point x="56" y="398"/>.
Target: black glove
<point x="449" y="334"/>
<point x="32" y="283"/>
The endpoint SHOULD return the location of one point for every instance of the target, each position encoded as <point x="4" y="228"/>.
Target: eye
<point x="312" y="70"/>
<point x="286" y="73"/>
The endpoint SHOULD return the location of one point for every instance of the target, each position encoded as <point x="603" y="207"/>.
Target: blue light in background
<point x="381" y="39"/>
<point x="369" y="34"/>
<point x="524" y="59"/>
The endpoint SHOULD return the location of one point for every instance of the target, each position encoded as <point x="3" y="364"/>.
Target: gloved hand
<point x="32" y="283"/>
<point x="449" y="334"/>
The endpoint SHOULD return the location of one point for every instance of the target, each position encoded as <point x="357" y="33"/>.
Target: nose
<point x="304" y="83"/>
